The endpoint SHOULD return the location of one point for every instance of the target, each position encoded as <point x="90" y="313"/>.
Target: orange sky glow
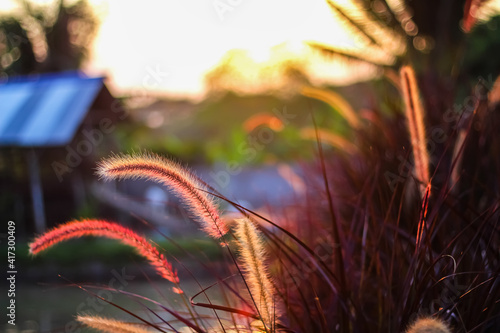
<point x="168" y="46"/>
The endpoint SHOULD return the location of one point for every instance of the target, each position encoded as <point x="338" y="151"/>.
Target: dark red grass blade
<point x="335" y="227"/>
<point x="423" y="216"/>
<point x="219" y="307"/>
<point x="172" y="241"/>
<point x="159" y="317"/>
<point x="173" y="313"/>
<point x="115" y="305"/>
<point x="317" y="262"/>
<point x="319" y="308"/>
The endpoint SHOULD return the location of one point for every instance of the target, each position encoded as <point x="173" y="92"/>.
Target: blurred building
<point x="53" y="129"/>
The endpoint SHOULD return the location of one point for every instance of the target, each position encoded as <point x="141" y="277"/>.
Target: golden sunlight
<point x="169" y="47"/>
<point x="183" y="40"/>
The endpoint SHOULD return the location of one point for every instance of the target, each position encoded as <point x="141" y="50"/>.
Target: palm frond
<point x="332" y="51"/>
<point x="355" y="24"/>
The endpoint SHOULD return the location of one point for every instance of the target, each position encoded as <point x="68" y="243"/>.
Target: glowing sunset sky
<point x="169" y="45"/>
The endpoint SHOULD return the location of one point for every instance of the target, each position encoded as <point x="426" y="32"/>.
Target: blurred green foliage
<point x="88" y="250"/>
<point x="217" y="130"/>
<point x="482" y="50"/>
<point x="48" y="37"/>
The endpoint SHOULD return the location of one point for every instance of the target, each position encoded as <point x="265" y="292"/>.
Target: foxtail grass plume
<point x="256" y="274"/>
<point x="76" y="229"/>
<point x="182" y="182"/>
<point x="428" y="325"/>
<point x="415" y="117"/>
<point x="330" y="138"/>
<point x="335" y="101"/>
<point x="265" y="119"/>
<point x="458" y="157"/>
<point x="107" y="325"/>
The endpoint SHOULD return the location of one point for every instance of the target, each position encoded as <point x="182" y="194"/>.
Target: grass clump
<point x="399" y="223"/>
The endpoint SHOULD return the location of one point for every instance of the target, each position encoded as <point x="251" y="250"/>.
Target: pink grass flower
<point x="99" y="228"/>
<point x="415" y="116"/>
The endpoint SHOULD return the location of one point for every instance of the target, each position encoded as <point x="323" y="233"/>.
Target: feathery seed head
<point x="110" y="325"/>
<point x="336" y="101"/>
<point x="415" y="117"/>
<point x="182" y="182"/>
<point x="428" y="325"/>
<point x="256" y="273"/>
<point x="99" y="228"/>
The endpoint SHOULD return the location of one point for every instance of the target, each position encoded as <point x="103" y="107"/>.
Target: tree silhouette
<point x="446" y="42"/>
<point x="403" y="31"/>
<point x="46" y="39"/>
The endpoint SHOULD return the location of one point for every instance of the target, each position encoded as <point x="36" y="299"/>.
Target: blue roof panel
<point x="45" y="111"/>
<point x="11" y="100"/>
